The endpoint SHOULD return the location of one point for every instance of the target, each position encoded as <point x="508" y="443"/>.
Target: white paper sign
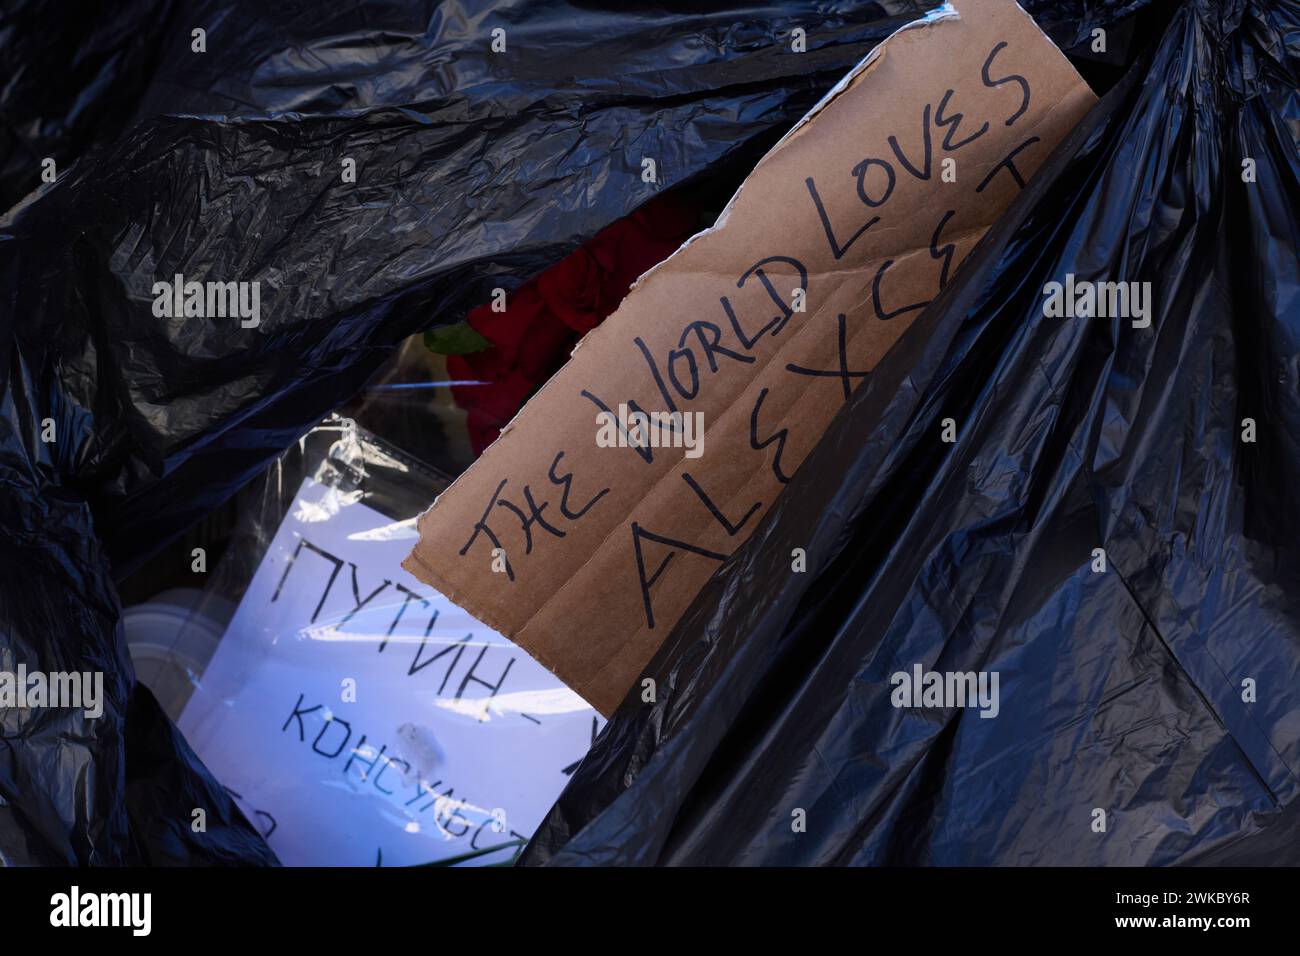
<point x="361" y="718"/>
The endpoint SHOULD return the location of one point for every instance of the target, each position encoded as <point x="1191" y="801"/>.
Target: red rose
<point x="545" y="347"/>
<point x="534" y="336"/>
<point x="572" y="290"/>
<point x="506" y="329"/>
<point x="668" y="219"/>
<point x="489" y="407"/>
<point x="637" y="243"/>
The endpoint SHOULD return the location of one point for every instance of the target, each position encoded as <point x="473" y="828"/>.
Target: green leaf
<point x="458" y="339"/>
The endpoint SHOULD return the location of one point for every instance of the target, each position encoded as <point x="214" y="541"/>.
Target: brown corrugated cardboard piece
<point x="587" y="555"/>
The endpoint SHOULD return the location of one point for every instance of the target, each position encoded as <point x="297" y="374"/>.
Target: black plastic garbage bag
<point x="79" y="73"/>
<point x="121" y="426"/>
<point x="474" y="170"/>
<point x="1103" y="534"/>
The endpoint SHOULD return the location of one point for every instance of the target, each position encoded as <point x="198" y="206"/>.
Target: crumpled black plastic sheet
<point x="1121" y="690"/>
<point x="473" y="171"/>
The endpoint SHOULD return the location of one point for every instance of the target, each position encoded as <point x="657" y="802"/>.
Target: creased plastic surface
<point x="473" y="171"/>
<point x="1122" y="690"/>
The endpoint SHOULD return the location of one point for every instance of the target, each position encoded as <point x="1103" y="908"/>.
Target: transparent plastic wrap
<point x="356" y="716"/>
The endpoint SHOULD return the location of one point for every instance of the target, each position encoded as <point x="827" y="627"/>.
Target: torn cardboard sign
<point x="585" y="530"/>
